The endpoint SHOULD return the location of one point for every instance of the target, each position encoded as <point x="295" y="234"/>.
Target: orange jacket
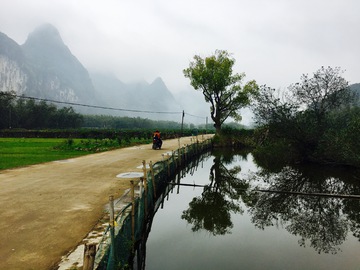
<point x="157" y="134"/>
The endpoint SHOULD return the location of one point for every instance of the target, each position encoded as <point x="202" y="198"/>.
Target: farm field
<point x="18" y="152"/>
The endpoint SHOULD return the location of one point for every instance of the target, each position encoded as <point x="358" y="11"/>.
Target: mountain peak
<point x="158" y="81"/>
<point x="45" y="47"/>
<point x="46" y="28"/>
<point x="159" y="84"/>
<point x="45" y="34"/>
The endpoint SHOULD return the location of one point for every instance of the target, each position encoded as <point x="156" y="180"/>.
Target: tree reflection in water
<point x="322" y="223"/>
<point x="212" y="210"/>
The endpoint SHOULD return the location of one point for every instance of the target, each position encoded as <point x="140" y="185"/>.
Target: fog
<point x="273" y="42"/>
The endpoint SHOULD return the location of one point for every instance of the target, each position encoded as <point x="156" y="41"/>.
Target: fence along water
<point x="128" y="229"/>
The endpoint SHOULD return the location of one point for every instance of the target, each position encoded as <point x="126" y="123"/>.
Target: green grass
<point x="18" y="152"/>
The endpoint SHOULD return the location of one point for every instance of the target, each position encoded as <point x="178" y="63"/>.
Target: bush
<point x="239" y="138"/>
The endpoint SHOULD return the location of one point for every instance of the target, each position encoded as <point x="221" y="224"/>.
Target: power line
<point x="103" y="107"/>
<point x="195" y="115"/>
<point x="95" y="106"/>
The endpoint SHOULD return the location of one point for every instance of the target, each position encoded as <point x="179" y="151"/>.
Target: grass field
<point x="17" y="152"/>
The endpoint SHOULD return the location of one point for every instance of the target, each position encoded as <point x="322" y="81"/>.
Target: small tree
<point x="306" y="118"/>
<point x="314" y="97"/>
<point x="221" y="88"/>
<point x="326" y="91"/>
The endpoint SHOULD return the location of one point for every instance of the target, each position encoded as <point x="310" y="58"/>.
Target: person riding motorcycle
<point x="157" y="142"/>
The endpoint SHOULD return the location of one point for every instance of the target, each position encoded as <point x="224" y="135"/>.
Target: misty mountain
<point x="56" y="72"/>
<point x="14" y="72"/>
<point x="355" y="88"/>
<point x="138" y="96"/>
<point x="44" y="67"/>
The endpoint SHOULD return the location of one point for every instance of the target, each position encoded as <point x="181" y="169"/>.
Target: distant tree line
<point x="30" y="114"/>
<point x="98" y="134"/>
<point x="116" y="122"/>
<point x="21" y="113"/>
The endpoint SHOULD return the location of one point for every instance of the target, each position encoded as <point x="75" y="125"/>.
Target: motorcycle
<point x="157" y="143"/>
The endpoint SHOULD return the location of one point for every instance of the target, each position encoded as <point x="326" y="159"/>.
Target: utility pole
<point x="182" y="123"/>
<point x="206" y="125"/>
<point x="10" y="117"/>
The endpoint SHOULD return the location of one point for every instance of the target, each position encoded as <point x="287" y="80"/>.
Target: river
<point x="226" y="220"/>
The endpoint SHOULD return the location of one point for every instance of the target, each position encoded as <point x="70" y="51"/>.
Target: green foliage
<point x="99" y="145"/>
<point x="6" y="107"/>
<point x="325" y="91"/>
<point x="30" y="114"/>
<point x="108" y="121"/>
<point x="113" y="134"/>
<point x="315" y="122"/>
<point x="276" y="154"/>
<point x="340" y="142"/>
<point x="221" y="88"/>
<point x="232" y="137"/>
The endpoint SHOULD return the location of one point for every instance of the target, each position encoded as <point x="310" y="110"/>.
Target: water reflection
<point x="322" y="223"/>
<point x="224" y="199"/>
<point x="315" y="219"/>
<point x="212" y="210"/>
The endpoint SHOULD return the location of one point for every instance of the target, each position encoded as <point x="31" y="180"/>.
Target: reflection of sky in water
<point x="247" y="165"/>
<point x="172" y="244"/>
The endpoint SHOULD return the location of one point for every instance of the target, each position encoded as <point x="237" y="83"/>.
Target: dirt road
<point x="47" y="209"/>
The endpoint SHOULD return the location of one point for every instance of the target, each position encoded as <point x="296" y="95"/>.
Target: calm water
<point x="228" y="225"/>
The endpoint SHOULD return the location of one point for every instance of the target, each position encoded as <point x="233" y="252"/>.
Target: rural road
<point x="47" y="209"/>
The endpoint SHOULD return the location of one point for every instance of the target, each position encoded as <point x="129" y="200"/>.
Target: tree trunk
<point x="217" y="128"/>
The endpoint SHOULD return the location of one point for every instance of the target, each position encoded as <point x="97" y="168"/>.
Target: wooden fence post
<point x="146" y="190"/>
<point x="89" y="256"/>
<point x="132" y="212"/>
<point x="112" y="227"/>
<point x="153" y="178"/>
<point x="112" y="211"/>
<point x="178" y="182"/>
<point x="168" y="163"/>
<point x="141" y="187"/>
<point x="144" y="169"/>
<point x="173" y="159"/>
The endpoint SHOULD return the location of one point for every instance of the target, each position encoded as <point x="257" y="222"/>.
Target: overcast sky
<point x="273" y="41"/>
